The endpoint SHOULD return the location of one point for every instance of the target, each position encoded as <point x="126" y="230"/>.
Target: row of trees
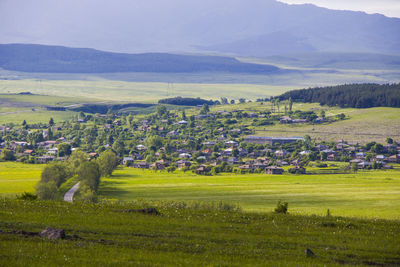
<point x="349" y="95"/>
<point x="78" y="167"/>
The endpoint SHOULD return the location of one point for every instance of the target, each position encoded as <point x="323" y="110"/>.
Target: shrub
<point x="281" y="207"/>
<point x="27" y="196"/>
<point x="46" y="191"/>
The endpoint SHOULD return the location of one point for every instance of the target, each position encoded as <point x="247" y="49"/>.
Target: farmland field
<point x="16" y="178"/>
<point x="373" y="194"/>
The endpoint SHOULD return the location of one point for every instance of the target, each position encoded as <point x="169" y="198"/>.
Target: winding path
<point x="69" y="196"/>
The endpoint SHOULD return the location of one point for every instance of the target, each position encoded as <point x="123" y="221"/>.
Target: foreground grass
<point x="370" y="194"/>
<point x="107" y="235"/>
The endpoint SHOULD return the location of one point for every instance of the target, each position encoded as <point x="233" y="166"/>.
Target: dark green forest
<point x="349" y="95"/>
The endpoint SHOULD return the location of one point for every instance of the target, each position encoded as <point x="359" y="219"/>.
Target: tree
<point x="205" y="109"/>
<point x="89" y="174"/>
<point x="51" y="122"/>
<point x="75" y="160"/>
<point x="389" y="140"/>
<point x="154" y="142"/>
<point x="242" y="100"/>
<point x="290" y="104"/>
<point x="7" y="155"/>
<point x="232" y="101"/>
<point x="224" y="101"/>
<point x="24" y="123"/>
<point x="161" y="110"/>
<point x="323" y="114"/>
<point x="56" y="172"/>
<point x="354" y="167"/>
<point x="183" y="115"/>
<point x="107" y="162"/>
<point x="378" y="148"/>
<point x="64" y="149"/>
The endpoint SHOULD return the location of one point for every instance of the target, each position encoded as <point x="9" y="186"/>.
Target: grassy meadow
<point x="149" y="92"/>
<point x="360" y="125"/>
<point x="368" y="194"/>
<point x="16" y="178"/>
<point x="187" y="235"/>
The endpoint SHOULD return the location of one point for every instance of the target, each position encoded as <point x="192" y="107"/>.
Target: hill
<point x="243" y="27"/>
<point x="58" y="59"/>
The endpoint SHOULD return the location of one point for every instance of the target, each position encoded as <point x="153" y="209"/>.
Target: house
<point x="232" y="143"/>
<point x="164" y="162"/>
<point x="380" y="157"/>
<point x="282" y="163"/>
<point x="28" y="152"/>
<point x="299" y="121"/>
<point x="45" y="159"/>
<point x="304" y="153"/>
<point x="245" y="167"/>
<point x="157" y="166"/>
<point x="201" y="170"/>
<point x="281" y="153"/>
<point x="142" y="165"/>
<point x="285" y="119"/>
<point x="52" y="151"/>
<point x="127" y="161"/>
<point x="319" y="120"/>
<point x="209" y="143"/>
<point x="228" y="152"/>
<point x="394" y="159"/>
<point x="273" y="170"/>
<point x="183" y="163"/>
<point x="331" y="157"/>
<point x="361" y="164"/>
<point x="183" y="122"/>
<point x="93" y="155"/>
<point x="233" y="160"/>
<point x="361" y="155"/>
<point x="141" y="148"/>
<point x="185" y="156"/>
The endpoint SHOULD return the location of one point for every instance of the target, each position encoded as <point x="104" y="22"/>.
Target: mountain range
<point x="256" y="28"/>
<point x="59" y="59"/>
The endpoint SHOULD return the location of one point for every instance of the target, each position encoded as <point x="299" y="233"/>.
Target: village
<point x="207" y="143"/>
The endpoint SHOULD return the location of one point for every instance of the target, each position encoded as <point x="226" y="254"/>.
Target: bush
<point x="27" y="196"/>
<point x="46" y="191"/>
<point x="281" y="207"/>
<point x="322" y="165"/>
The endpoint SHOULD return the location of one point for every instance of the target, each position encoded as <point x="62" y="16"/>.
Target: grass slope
<point x="362" y="125"/>
<point x="104" y="235"/>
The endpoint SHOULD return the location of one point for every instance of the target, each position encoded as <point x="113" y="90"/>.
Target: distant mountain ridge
<point x="58" y="59"/>
<point x="257" y="28"/>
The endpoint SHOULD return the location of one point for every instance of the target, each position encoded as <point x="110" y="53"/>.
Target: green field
<point x="16" y="178"/>
<point x="372" y="194"/>
<point x="138" y="91"/>
<point x="361" y="125"/>
<point x="369" y="194"/>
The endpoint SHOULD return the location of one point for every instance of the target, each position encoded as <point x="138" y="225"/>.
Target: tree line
<point x="350" y="95"/>
<point x="79" y="168"/>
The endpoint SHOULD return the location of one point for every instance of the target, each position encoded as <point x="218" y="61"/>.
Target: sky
<point x="390" y="8"/>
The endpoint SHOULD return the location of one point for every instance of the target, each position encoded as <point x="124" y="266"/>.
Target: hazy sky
<point x="390" y="8"/>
